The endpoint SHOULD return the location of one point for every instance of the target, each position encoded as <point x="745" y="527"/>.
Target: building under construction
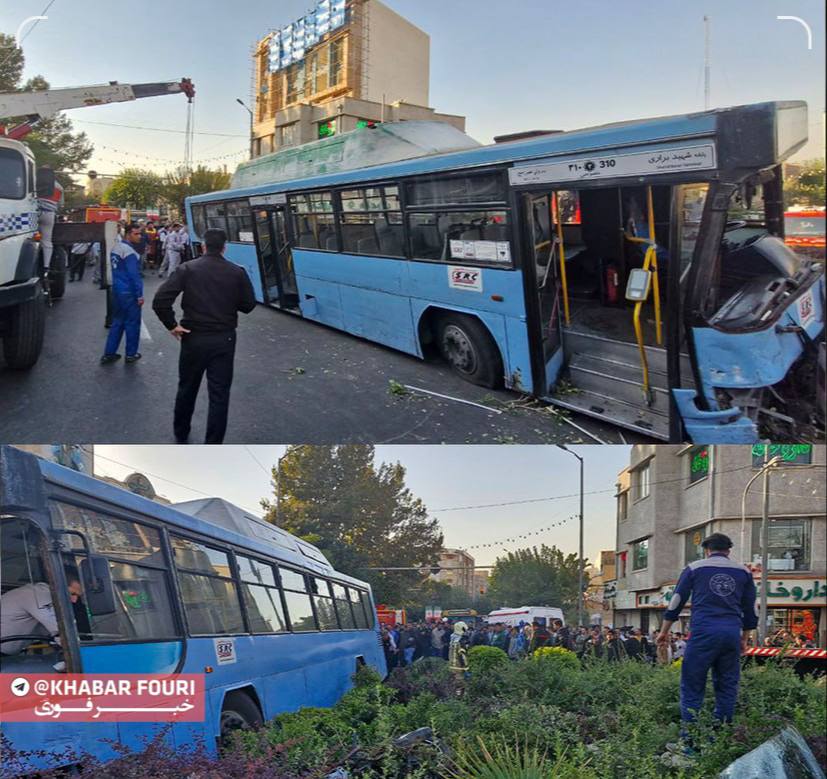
<point x="346" y="64"/>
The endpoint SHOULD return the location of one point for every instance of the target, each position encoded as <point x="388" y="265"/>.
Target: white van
<point x="527" y="614"/>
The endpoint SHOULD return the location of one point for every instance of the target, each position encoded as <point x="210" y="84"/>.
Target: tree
<point x="360" y="515"/>
<point x="804" y="185"/>
<point x="52" y="142"/>
<point x="180" y="185"/>
<point x="134" y="188"/>
<point x="11" y="63"/>
<point x="532" y="577"/>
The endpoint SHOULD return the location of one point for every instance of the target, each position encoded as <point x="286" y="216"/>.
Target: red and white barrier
<point x="813" y="654"/>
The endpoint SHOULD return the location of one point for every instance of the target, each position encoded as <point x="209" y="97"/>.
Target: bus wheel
<point x="57" y="273"/>
<point x="468" y="348"/>
<point x="24" y="340"/>
<point x="238" y="713"/>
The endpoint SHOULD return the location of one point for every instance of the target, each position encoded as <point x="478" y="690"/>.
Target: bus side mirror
<point x="97" y="585"/>
<point x="637" y="287"/>
<point x="45" y="182"/>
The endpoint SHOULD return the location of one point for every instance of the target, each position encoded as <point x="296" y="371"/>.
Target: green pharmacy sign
<point x="698" y="463"/>
<point x="790" y="454"/>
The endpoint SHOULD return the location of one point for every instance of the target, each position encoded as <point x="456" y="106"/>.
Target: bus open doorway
<point x="605" y="355"/>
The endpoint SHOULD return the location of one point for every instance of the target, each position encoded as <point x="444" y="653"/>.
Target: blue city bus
<point x="634" y="272"/>
<point x="183" y="578"/>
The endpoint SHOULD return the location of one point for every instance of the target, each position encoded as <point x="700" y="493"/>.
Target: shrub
<point x="486" y="659"/>
<point x="430" y="674"/>
<point x="556" y="654"/>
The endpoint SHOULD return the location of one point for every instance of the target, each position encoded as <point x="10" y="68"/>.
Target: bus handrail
<point x="562" y="259"/>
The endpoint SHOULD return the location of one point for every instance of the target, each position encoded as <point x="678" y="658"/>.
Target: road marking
<point x="145" y="336"/>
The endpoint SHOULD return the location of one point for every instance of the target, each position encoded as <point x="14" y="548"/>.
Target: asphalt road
<point x="295" y="382"/>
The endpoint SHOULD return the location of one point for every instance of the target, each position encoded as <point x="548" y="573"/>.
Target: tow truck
<point x="23" y="283"/>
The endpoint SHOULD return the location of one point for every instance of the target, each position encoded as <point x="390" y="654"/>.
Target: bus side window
<point x="210" y="595"/>
<point x="261" y="596"/>
<point x="299" y="607"/>
<point x="139" y="574"/>
<point x="314" y="225"/>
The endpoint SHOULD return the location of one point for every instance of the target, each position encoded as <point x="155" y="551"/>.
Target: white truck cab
<point x="22" y="298"/>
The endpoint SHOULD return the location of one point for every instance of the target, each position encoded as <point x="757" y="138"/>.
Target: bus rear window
<point x="12" y="175"/>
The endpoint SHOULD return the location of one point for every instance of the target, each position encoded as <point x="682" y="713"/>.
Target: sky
<point x="529" y="64"/>
<point x="444" y="477"/>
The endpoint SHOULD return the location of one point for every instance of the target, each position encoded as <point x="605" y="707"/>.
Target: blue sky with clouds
<point x="506" y="66"/>
<point x="444" y="477"/>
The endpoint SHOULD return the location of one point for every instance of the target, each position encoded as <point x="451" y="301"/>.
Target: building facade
<point x="346" y="64"/>
<point x="456" y="570"/>
<point x="671" y="497"/>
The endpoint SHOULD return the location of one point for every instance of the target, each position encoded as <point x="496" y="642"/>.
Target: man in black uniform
<point x="214" y="291"/>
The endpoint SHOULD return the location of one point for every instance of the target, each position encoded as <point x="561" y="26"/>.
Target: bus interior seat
<point x="389" y="238"/>
<point x="367" y="245"/>
<point x="329" y="242"/>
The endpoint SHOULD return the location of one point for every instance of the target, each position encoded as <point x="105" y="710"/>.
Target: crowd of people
<point x="404" y="644"/>
<point x="162" y="247"/>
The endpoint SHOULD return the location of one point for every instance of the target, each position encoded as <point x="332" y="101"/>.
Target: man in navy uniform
<point x="128" y="294"/>
<point x="723" y="617"/>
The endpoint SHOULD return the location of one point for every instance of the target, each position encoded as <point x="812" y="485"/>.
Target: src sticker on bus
<point x="465" y="278"/>
<point x="224" y="650"/>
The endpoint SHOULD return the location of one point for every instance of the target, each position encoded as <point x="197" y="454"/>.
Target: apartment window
<point x="295" y="83"/>
<point x="788" y="544"/>
<point x="289" y="135"/>
<point x="622" y="506"/>
<point x="692" y="549"/>
<point x="698" y="458"/>
<point x="640" y="483"/>
<point x="790" y="454"/>
<point x="336" y="60"/>
<point x="621" y="565"/>
<point x="640" y="555"/>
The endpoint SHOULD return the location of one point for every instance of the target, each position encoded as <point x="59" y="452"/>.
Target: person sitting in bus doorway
<point x="214" y="291"/>
<point x="723" y="618"/>
<point x="28" y="611"/>
<point x="128" y="294"/>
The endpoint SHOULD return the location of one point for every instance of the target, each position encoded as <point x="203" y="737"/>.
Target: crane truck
<point x="23" y="282"/>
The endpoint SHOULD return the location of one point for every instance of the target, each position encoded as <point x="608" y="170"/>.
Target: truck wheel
<point x="239" y="712"/>
<point x="22" y="344"/>
<point x="57" y="273"/>
<point x="467" y="346"/>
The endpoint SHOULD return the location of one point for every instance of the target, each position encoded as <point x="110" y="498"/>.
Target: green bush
<point x="556" y="654"/>
<point x="486" y="659"/>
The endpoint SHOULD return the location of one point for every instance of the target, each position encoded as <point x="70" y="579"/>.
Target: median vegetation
<point x="546" y="716"/>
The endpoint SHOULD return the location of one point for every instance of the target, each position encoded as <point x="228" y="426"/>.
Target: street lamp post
<point x="580" y="558"/>
<point x="768" y="465"/>
<point x="250" y="111"/>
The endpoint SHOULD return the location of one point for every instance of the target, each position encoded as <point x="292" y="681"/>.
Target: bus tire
<point x="24" y="340"/>
<point x="467" y="346"/>
<point x="239" y="712"/>
<point x="57" y="273"/>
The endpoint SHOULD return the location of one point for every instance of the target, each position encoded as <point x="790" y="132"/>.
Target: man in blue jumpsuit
<point x="723" y="617"/>
<point x="128" y="293"/>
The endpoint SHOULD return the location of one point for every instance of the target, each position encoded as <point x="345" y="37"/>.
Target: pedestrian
<point x="680" y="646"/>
<point x="48" y="206"/>
<point x="615" y="648"/>
<point x="436" y="640"/>
<point x="458" y="652"/>
<point x="562" y="635"/>
<point x="173" y="246"/>
<point x="214" y="291"/>
<point x="723" y="617"/>
<point x="77" y="260"/>
<point x="408" y="639"/>
<point x="128" y="297"/>
<point x="500" y="637"/>
<point x="540" y="637"/>
<point x="514" y="643"/>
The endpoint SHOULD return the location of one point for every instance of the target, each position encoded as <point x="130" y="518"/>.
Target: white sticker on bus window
<point x="503" y="251"/>
<point x="806" y="309"/>
<point x="468" y="250"/>
<point x="465" y="278"/>
<point x="456" y="249"/>
<point x="245" y="237"/>
<point x="485" y="250"/>
<point x="224" y="650"/>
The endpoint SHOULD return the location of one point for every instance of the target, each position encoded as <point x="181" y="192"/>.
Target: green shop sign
<point x="792" y="454"/>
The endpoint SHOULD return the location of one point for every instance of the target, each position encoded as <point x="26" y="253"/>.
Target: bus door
<point x="544" y="254"/>
<point x="276" y="257"/>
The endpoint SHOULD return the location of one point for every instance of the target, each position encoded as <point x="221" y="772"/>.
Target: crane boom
<point x="46" y="103"/>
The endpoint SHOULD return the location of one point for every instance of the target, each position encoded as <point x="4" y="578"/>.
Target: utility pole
<point x="707" y="22"/>
<point x="250" y="111"/>
<point x="580" y="604"/>
<point x="765" y="521"/>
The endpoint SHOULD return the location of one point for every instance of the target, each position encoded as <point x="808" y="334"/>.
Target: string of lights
<point x="154" y="158"/>
<point x="523" y="536"/>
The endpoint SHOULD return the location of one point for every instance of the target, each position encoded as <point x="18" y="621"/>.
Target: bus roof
<point x="214" y="518"/>
<point x="753" y="136"/>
